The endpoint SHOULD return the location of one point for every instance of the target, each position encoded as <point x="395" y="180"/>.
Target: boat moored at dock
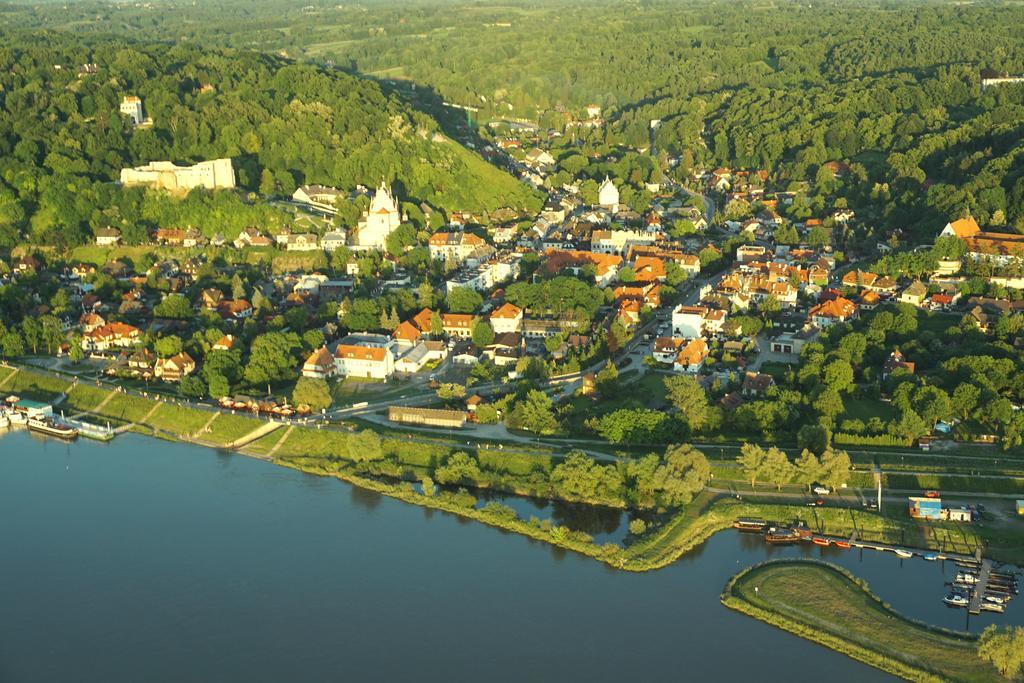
<point x="51" y="427"/>
<point x="749" y="525"/>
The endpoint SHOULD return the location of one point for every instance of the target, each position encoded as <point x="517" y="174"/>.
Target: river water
<point x="143" y="560"/>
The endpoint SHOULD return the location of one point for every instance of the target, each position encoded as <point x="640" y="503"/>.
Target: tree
<point x="193" y="387"/>
<point x="436" y="325"/>
<point x="684" y="473"/>
<point x="365" y="446"/>
<point x="752" y="460"/>
<point x="460" y="468"/>
<point x="451" y="392"/>
<point x="815" y="437"/>
<point x="777" y="467"/>
<point x="580" y="476"/>
<point x="218" y="385"/>
<point x="627" y="275"/>
<point x="464" y="300"/>
<point x="689" y="398"/>
<point x="173" y="306"/>
<point x="312" y="392"/>
<point x="607" y="379"/>
<point x="271" y="359"/>
<point x="168" y="346"/>
<point x="808" y="468"/>
<point x="534" y="413"/>
<point x="838" y="376"/>
<point x="429" y="489"/>
<point x="1004" y="649"/>
<point x="835" y="468"/>
<point x="483" y="334"/>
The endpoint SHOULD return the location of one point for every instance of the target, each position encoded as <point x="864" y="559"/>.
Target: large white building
<point x="379" y="221"/>
<point x="215" y="174"/>
<point x="363" y="359"/>
<point x="131" y="106"/>
<point x="485" y="276"/>
<point x="608" y="195"/>
<point x="693" y="321"/>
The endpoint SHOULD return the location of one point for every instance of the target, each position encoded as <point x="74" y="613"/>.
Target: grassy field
<point x="179" y="419"/>
<point x="28" y="384"/>
<point x="826" y="605"/>
<point x="864" y="409"/>
<point x="228" y="428"/>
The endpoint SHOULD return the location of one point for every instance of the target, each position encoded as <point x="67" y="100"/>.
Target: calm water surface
<point x="142" y="560"/>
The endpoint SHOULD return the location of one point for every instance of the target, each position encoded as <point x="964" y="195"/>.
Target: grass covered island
<point x="828" y="605"/>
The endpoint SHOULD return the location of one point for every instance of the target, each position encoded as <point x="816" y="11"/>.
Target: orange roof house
<point x="406" y="333"/>
<point x="692" y="356"/>
<point x="649" y="269"/>
<point x="962" y="228"/>
<point x="832" y="311"/>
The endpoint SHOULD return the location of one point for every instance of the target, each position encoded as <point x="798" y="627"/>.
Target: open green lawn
<point x="28" y="384"/>
<point x="127" y="408"/>
<point x="85" y="397"/>
<point x="865" y="408"/>
<point x="823" y="604"/>
<point x="936" y="322"/>
<point x="179" y="420"/>
<point x="228" y="428"/>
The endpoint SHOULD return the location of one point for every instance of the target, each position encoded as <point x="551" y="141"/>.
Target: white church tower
<point x="379" y="221"/>
<point x="131" y="106"/>
<point x="608" y="195"/>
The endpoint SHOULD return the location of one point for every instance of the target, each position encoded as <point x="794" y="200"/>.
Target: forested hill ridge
<point x="891" y="89"/>
<point x="62" y="139"/>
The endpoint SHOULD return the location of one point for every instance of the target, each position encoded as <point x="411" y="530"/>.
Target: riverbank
<point x="828" y="605"/>
<point x="390" y="465"/>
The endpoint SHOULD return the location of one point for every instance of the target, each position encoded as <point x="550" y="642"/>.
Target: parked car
<point x="820" y="490"/>
<point x="932" y="494"/>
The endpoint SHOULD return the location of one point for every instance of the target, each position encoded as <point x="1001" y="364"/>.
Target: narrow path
<point x="257" y="433"/>
<point x="280" y="442"/>
<point x="149" y="414"/>
<point x="102" y="403"/>
<point x="9" y="377"/>
<point x="206" y="427"/>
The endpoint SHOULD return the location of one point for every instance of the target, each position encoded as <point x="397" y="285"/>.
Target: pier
<point x="980" y="588"/>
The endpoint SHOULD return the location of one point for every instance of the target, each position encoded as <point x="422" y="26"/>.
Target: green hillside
<point x="62" y="141"/>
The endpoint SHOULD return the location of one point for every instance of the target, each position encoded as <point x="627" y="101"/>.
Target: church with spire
<point x="377" y="222"/>
<point x="608" y="195"/>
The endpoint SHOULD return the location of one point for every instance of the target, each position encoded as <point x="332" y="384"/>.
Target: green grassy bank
<point x="829" y="606"/>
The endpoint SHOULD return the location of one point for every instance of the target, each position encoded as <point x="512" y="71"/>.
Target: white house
<point x="506" y="318"/>
<point x="333" y="240"/>
<point x="371" y="362"/>
<point x="320" y="364"/>
<point x="107" y="237"/>
<point x="694" y="321"/>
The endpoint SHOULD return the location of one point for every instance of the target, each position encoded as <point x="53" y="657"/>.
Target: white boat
<point x="996" y="599"/>
<point x="51" y="427"/>
<point x="993" y="607"/>
<point x="903" y="553"/>
<point x="966" y="578"/>
<point x="5" y="421"/>
<point x="17" y="418"/>
<point x="956" y="600"/>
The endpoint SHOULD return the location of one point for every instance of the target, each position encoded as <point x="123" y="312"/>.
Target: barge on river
<point x="50" y="427"/>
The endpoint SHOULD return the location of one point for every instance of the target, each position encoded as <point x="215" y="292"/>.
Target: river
<point x="145" y="560"/>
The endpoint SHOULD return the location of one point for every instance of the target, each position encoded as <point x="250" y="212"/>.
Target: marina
<point x="977" y="586"/>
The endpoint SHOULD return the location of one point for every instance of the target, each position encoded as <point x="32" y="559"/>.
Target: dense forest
<point x="894" y="90"/>
<point x="62" y="140"/>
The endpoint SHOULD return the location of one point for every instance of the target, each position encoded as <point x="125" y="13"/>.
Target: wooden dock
<point x="978" y="593"/>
